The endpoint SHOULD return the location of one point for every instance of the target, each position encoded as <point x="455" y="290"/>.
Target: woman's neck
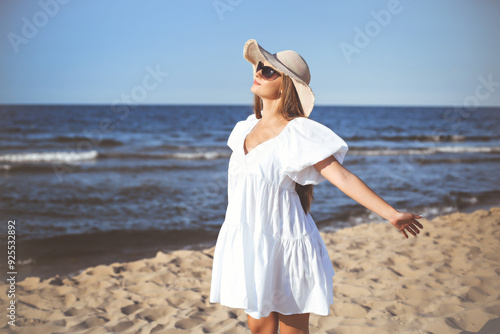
<point x="270" y="111"/>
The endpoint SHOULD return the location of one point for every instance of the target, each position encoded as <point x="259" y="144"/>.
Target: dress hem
<point x="323" y="314"/>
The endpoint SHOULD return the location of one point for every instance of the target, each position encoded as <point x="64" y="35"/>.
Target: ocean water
<point x="92" y="184"/>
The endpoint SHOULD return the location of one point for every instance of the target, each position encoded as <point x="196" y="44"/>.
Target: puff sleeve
<point x="306" y="143"/>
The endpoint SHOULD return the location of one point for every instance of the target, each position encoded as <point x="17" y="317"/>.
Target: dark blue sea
<point x="94" y="184"/>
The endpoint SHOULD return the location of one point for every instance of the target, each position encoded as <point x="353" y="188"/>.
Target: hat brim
<point x="254" y="53"/>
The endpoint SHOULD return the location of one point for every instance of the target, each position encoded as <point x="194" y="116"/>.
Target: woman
<point x="269" y="258"/>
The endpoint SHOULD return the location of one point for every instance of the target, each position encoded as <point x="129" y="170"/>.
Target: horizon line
<point x="243" y="104"/>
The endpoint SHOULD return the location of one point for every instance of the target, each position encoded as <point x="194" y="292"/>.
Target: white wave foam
<point x="48" y="156"/>
<point x="434" y="211"/>
<point x="468" y="149"/>
<point x="25" y="262"/>
<point x="200" y="155"/>
<point x="429" y="150"/>
<point x="210" y="155"/>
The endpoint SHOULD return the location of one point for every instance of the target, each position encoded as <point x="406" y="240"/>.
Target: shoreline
<point x="447" y="280"/>
<point x="68" y="255"/>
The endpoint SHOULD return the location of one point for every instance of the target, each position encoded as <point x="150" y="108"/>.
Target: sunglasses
<point x="268" y="73"/>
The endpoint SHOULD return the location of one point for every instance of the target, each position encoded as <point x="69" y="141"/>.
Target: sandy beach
<point x="447" y="280"/>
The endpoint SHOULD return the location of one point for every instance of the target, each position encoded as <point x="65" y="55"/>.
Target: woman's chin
<point x="258" y="91"/>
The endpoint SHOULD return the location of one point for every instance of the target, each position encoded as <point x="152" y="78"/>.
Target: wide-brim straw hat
<point x="289" y="63"/>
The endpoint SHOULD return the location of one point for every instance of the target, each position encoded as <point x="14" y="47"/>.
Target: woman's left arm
<point x="355" y="188"/>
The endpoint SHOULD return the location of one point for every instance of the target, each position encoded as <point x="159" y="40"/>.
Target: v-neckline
<point x="265" y="141"/>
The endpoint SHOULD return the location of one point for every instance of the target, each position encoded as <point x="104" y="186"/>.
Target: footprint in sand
<point x="439" y="309"/>
<point x="419" y="294"/>
<point x="151" y="314"/>
<point x="77" y="311"/>
<point x="350" y="310"/>
<point x="350" y="290"/>
<point x="473" y="319"/>
<point x="129" y="309"/>
<point x="121" y="327"/>
<point x="92" y="321"/>
<point x="157" y="329"/>
<point x="188" y="323"/>
<point x="474" y="294"/>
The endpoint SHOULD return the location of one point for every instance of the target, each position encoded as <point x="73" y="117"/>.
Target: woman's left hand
<point x="405" y="221"/>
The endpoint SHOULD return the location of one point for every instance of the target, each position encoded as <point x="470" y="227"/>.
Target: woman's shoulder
<point x="306" y="133"/>
<point x="306" y="121"/>
<point x="306" y="126"/>
<point x="306" y="143"/>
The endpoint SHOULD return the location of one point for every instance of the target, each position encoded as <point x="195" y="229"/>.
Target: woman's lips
<point x="256" y="83"/>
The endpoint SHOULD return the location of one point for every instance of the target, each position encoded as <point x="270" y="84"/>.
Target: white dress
<point x="269" y="255"/>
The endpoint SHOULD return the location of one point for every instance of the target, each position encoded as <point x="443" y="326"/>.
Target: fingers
<point x="410" y="229"/>
<point x="416" y="222"/>
<point x="414" y="230"/>
<point x="409" y="225"/>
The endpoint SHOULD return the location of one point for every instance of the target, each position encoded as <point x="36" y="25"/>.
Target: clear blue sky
<point x="92" y="52"/>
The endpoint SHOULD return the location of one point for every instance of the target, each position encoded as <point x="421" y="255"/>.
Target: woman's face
<point x="266" y="89"/>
